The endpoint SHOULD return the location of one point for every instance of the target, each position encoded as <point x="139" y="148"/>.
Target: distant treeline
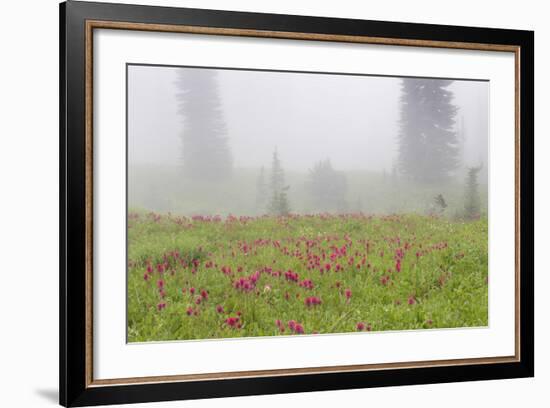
<point x="162" y="188"/>
<point x="428" y="175"/>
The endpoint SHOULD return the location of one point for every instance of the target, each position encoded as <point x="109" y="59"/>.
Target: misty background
<point x="202" y="141"/>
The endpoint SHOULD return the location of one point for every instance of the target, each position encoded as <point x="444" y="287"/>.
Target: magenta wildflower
<point x="306" y="283"/>
<point x="161" y="306"/>
<point x="291" y="324"/>
<point x="312" y="301"/>
<point x="347" y="292"/>
<point x="233" y="322"/>
<point x="360" y="326"/>
<point x="291" y="276"/>
<point x="219" y="309"/>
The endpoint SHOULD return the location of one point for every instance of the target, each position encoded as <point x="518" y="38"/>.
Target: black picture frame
<point x="74" y="389"/>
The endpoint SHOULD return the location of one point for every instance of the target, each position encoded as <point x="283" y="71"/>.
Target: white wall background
<point x="29" y="204"/>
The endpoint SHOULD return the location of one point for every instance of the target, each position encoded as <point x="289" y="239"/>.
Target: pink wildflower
<point x="292" y="324"/>
<point x="347" y="292"/>
<point x="312" y="301"/>
<point x="232" y="322"/>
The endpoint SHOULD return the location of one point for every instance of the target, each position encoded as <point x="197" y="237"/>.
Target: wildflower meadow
<point x="211" y="277"/>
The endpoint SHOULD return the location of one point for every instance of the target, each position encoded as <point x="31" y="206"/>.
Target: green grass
<point x="444" y="286"/>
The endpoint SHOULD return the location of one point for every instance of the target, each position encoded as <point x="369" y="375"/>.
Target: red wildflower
<point x="161" y="306"/>
<point x="306" y="283"/>
<point x="360" y="326"/>
<point x="312" y="301"/>
<point x="219" y="309"/>
<point x="232" y="322"/>
<point x="292" y="324"/>
<point x="347" y="292"/>
<point x="291" y="276"/>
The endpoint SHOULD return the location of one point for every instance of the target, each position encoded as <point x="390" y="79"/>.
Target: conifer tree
<point x="327" y="187"/>
<point x="472" y="205"/>
<point x="205" y="150"/>
<point x="278" y="204"/>
<point x="428" y="146"/>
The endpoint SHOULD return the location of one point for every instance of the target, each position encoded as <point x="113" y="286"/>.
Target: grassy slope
<point x="447" y="282"/>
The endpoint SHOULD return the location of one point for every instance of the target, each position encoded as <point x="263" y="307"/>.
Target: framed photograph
<point x="256" y="203"/>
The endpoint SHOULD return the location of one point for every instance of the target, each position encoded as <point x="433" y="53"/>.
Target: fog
<point x="353" y="121"/>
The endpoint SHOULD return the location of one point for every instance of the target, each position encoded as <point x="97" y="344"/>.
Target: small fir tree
<point x="327" y="187"/>
<point x="278" y="204"/>
<point x="472" y="204"/>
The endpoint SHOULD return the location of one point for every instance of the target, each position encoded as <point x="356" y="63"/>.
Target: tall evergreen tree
<point x="327" y="187"/>
<point x="461" y="139"/>
<point x="261" y="191"/>
<point x="278" y="203"/>
<point x="428" y="146"/>
<point x="206" y="155"/>
<point x="472" y="204"/>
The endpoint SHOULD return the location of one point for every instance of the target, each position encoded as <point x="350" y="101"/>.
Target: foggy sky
<point x="353" y="120"/>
